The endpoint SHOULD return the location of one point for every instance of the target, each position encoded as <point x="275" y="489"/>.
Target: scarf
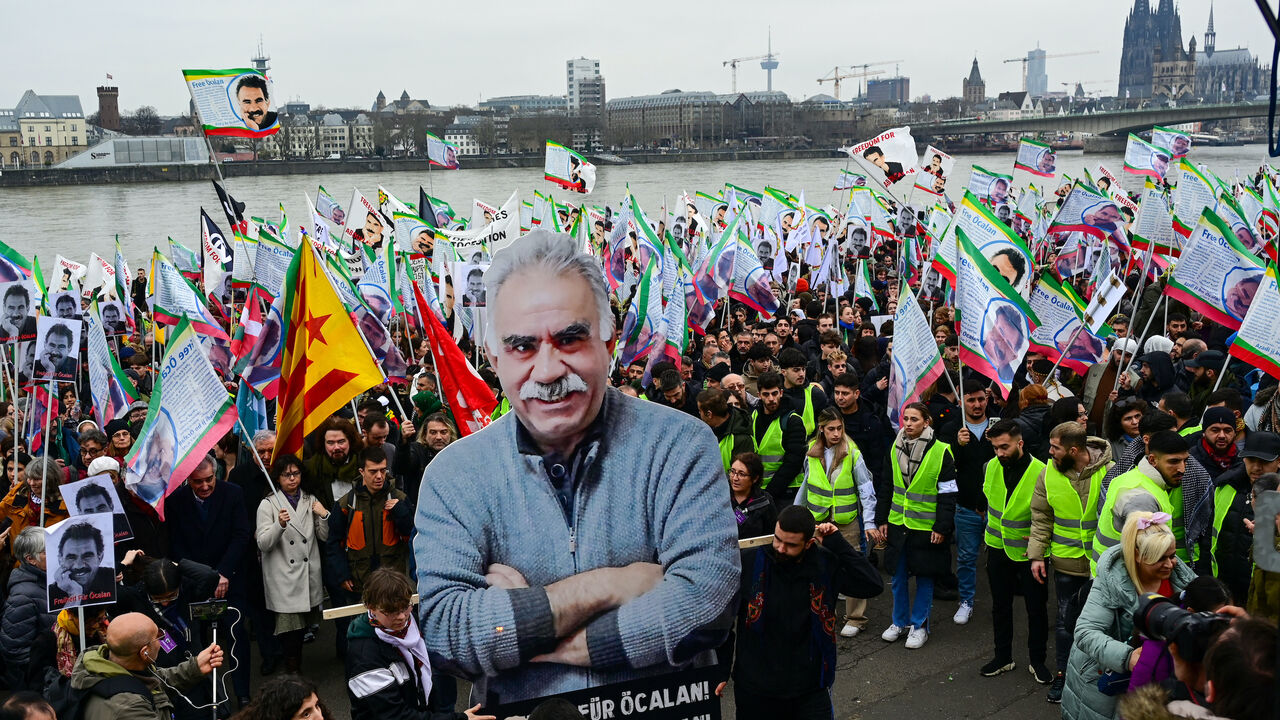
<point x="911" y="452"/>
<point x="66" y="633"/>
<point x="1223" y="461"/>
<point x="413" y="649"/>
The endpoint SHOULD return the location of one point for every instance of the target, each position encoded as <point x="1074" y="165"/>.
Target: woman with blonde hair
<point x="1106" y="647"/>
<point x="838" y="489"/>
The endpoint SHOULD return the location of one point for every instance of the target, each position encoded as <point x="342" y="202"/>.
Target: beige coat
<point x="291" y="556"/>
<point x="1042" y="512"/>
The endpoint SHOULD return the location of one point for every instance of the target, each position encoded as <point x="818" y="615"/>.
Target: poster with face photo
<point x="57" y="356"/>
<point x="18" y="305"/>
<point x="113" y="318"/>
<point x="65" y="305"/>
<point x="471" y="277"/>
<point x="95" y="495"/>
<point x="67" y="274"/>
<point x="26" y="362"/>
<point x="81" y="562"/>
<point x="236" y="102"/>
<point x="858" y="238"/>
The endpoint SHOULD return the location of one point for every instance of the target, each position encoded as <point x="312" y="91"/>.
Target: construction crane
<point x="733" y="65"/>
<point x="1024" y="60"/>
<point x="864" y="67"/>
<point x="836" y="76"/>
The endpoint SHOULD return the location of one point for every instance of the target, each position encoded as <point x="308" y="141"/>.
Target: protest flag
<point x="568" y="169"/>
<point x="13" y="266"/>
<point x="1036" y="158"/>
<point x="1216" y="274"/>
<point x="892" y="152"/>
<point x="122" y="279"/>
<point x="217" y="259"/>
<point x="849" y="179"/>
<point x="233" y="209"/>
<point x="251" y="407"/>
<point x="862" y="285"/>
<point x="189" y="412"/>
<point x="1258" y="341"/>
<point x="441" y="153"/>
<point x="916" y="362"/>
<point x="993" y="321"/>
<point x="1193" y="195"/>
<point x="234" y="102"/>
<point x="1178" y="142"/>
<point x="176" y="297"/>
<point x="461" y="388"/>
<point x="1143" y="158"/>
<point x="325" y="362"/>
<point x="643" y="324"/>
<point x="38" y="417"/>
<point x="1153" y="226"/>
<point x="1060" y="335"/>
<point x="185" y="260"/>
<point x="110" y="388"/>
<point x="750" y="281"/>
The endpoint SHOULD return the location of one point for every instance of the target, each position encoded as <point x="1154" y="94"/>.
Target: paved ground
<point x="874" y="680"/>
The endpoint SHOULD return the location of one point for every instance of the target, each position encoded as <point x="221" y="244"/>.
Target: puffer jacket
<point x="1235" y="542"/>
<point x="1102" y="634"/>
<point x="26" y="613"/>
<point x="1035" y="438"/>
<point x="93" y="666"/>
<point x="1152" y="702"/>
<point x="1042" y="512"/>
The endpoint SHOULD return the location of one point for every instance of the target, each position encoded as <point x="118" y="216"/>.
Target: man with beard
<point x="80" y="578"/>
<point x="56" y="361"/>
<point x="1063" y="509"/>
<point x="255" y="103"/>
<point x="785" y="664"/>
<point x="1158" y="475"/>
<point x="413" y="457"/>
<point x="334" y="470"/>
<point x="1010" y="478"/>
<point x="616" y="554"/>
<point x="779" y="434"/>
<point x="15" y="320"/>
<point x="1215" y="447"/>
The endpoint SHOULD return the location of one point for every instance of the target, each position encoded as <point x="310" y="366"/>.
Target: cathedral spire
<point x="1210" y="37"/>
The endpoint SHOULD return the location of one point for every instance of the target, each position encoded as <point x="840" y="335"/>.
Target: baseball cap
<point x="1261" y="445"/>
<point x="1207" y="359"/>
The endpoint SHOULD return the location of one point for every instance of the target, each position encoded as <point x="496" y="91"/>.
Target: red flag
<point x="461" y="389"/>
<point x="249" y="328"/>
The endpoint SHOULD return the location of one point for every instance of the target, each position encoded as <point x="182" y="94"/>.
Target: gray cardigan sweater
<point x="651" y="489"/>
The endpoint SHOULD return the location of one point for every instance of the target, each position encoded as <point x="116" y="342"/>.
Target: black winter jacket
<point x="379" y="684"/>
<point x="1235" y="542"/>
<point x="26" y="611"/>
<point x="971" y="462"/>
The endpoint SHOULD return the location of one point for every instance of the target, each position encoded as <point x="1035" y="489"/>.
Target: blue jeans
<point x="970" y="527"/>
<point x="906" y="613"/>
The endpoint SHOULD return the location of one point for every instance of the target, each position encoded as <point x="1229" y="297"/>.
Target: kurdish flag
<point x="568" y="169"/>
<point x="1153" y="226"/>
<point x="1036" y="158"/>
<point x="189" y="411"/>
<point x="1216" y="273"/>
<point x="441" y="153"/>
<point x="325" y="362"/>
<point x="849" y="179"/>
<point x="1258" y="341"/>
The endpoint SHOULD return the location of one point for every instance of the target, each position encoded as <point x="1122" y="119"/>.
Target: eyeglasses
<point x="291" y="474"/>
<point x="739" y="473"/>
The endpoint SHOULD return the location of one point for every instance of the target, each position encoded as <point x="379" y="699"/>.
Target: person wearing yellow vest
<point x="1231" y="548"/>
<point x="779" y="435"/>
<point x="1158" y="479"/>
<point x="1179" y="405"/>
<point x="1009" y="480"/>
<point x="917" y="513"/>
<point x="729" y="425"/>
<point x="808" y="399"/>
<point x="1064" y="515"/>
<point x="838" y="489"/>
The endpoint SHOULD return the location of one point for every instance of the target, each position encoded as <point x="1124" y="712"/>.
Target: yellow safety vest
<point x="726" y="452"/>
<point x="1190" y="430"/>
<point x="1073" y="525"/>
<point x="834" y="500"/>
<point x="806" y="415"/>
<point x="1223" y="498"/>
<point x="769" y="448"/>
<point x="1108" y="534"/>
<point x="1009" y="516"/>
<point x="915" y="506"/>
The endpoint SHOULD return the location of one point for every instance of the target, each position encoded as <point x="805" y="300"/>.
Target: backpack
<point x="69" y="702"/>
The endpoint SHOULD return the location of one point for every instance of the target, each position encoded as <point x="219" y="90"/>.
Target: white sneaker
<point x="892" y="633"/>
<point x="850" y="630"/>
<point x="963" y="613"/>
<point x="916" y="638"/>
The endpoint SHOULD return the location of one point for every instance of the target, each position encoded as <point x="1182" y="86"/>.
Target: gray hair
<point x="46" y="469"/>
<point x="264" y="436"/>
<point x="557" y="254"/>
<point x="29" y="543"/>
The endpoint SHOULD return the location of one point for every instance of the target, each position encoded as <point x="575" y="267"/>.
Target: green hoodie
<point x="93" y="666"/>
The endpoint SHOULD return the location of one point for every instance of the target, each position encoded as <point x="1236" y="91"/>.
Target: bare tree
<point x="144" y="121"/>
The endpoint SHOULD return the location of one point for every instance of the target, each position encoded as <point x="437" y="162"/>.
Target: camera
<point x="1159" y="618"/>
<point x="207" y="611"/>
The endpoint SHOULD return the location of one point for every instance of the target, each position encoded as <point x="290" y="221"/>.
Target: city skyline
<point x="489" y="56"/>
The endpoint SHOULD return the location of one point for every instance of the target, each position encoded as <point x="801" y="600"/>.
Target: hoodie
<point x="93" y="666"/>
<point x="1162" y="376"/>
<point x="1042" y="512"/>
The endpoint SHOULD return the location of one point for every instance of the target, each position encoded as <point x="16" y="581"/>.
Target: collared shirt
<point x="564" y="472"/>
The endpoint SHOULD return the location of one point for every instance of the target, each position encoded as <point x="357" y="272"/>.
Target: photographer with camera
<point x="1224" y="663"/>
<point x="1105" y="649"/>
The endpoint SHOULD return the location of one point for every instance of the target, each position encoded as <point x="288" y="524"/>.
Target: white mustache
<point x="553" y="391"/>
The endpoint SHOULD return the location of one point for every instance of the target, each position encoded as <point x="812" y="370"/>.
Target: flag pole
<point x="1221" y="371"/>
<point x="1062" y="355"/>
<point x="1141" y="339"/>
<point x="44" y="467"/>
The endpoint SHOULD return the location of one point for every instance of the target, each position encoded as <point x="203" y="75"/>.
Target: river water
<point x="76" y="220"/>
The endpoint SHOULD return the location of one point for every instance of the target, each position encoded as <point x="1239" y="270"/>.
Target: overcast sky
<point x="339" y="54"/>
